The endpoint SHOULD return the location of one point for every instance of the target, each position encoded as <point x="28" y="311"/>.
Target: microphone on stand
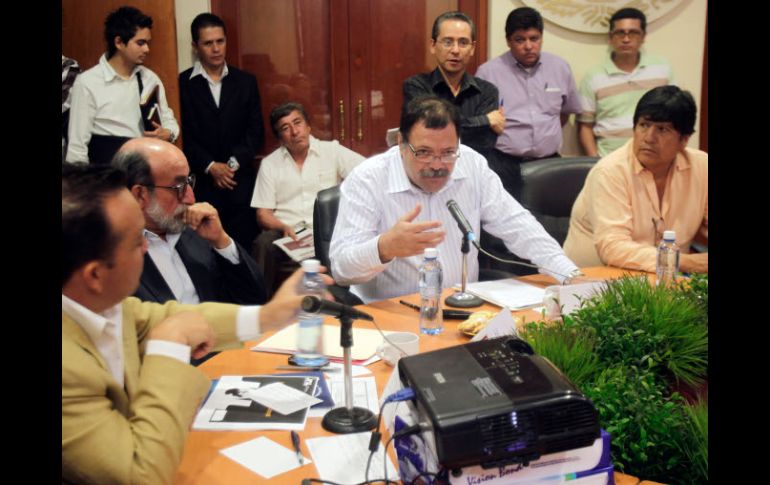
<point x="347" y="419"/>
<point x="462" y="298"/>
<point x="462" y="222"/>
<point x="314" y="304"/>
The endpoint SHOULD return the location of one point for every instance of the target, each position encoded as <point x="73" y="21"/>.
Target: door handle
<point x="341" y="111"/>
<point x="360" y="113"/>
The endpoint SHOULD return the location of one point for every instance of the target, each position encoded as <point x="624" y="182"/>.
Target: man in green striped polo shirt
<point x="610" y="91"/>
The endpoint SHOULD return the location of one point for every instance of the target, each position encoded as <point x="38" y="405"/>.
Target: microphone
<point x="314" y="304"/>
<point x="462" y="222"/>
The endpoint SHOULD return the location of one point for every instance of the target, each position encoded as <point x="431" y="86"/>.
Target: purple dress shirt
<point x="533" y="102"/>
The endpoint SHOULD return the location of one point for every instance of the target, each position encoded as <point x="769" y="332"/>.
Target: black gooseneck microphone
<point x="314" y="304"/>
<point x="462" y="222"/>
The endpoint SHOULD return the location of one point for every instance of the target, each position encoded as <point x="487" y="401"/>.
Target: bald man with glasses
<point x="190" y="257"/>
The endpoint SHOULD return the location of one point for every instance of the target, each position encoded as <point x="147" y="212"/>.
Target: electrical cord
<point x="374" y="442"/>
<point x="520" y="263"/>
<point x="403" y="353"/>
<point x="415" y="428"/>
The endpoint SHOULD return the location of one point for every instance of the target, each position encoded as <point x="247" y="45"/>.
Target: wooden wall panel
<point x="82" y="37"/>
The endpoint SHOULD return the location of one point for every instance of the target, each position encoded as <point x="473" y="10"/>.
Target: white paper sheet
<point x="342" y="458"/>
<point x="501" y="324"/>
<point x="282" y="398"/>
<point x="364" y="392"/>
<point x="264" y="457"/>
<point x="511" y="293"/>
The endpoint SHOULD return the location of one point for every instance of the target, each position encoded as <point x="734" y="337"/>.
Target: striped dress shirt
<point x="378" y="192"/>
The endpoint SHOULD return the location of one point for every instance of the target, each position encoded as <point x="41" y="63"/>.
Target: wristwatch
<point x="574" y="274"/>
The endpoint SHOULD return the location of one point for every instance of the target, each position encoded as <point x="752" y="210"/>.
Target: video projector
<point x="494" y="402"/>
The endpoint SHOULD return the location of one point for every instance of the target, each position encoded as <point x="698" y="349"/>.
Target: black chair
<point x="549" y="189"/>
<point x="324" y="217"/>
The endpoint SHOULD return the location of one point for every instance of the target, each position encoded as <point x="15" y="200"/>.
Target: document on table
<point x="264" y="457"/>
<point x="343" y="458"/>
<point x="510" y="293"/>
<point x="365" y="342"/>
<point x="233" y="403"/>
<point x="364" y="392"/>
<point x="282" y="398"/>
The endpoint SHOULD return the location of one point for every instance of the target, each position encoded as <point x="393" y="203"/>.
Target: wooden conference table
<point x="203" y="464"/>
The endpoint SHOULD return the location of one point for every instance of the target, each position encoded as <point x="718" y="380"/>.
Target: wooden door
<point x="344" y="60"/>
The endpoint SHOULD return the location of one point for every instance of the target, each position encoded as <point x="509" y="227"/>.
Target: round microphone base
<point x="463" y="300"/>
<point x="344" y="420"/>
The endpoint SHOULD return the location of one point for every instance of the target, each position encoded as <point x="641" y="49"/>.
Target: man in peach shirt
<point x="651" y="184"/>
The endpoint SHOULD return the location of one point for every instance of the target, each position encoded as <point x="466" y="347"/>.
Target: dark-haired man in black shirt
<point x="453" y="43"/>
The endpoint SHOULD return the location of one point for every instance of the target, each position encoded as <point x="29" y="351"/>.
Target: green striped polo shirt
<point x="608" y="97"/>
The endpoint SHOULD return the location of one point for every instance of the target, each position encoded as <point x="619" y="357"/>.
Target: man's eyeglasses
<point x="448" y="43"/>
<point x="180" y="187"/>
<point x="426" y="156"/>
<point x="631" y="34"/>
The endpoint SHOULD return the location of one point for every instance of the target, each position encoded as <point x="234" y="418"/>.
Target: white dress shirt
<point x="216" y="91"/>
<point x="378" y="193"/>
<point x="291" y="192"/>
<point x="103" y="103"/>
<point x="172" y="268"/>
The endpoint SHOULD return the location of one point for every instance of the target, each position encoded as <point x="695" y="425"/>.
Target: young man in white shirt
<point x="105" y="110"/>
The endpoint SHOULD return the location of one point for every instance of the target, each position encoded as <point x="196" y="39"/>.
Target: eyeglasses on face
<point x="448" y="43"/>
<point x="632" y="34"/>
<point x="180" y="187"/>
<point x="426" y="156"/>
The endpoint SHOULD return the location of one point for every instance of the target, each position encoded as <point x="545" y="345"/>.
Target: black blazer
<point x="212" y="133"/>
<point x="214" y="277"/>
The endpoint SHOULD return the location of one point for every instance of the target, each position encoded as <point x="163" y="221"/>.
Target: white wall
<point x="186" y="11"/>
<point x="679" y="36"/>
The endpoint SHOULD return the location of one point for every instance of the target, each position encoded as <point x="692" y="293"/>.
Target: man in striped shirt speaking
<point x="610" y="91"/>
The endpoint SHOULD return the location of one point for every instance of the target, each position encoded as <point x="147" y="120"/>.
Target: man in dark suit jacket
<point x="223" y="129"/>
<point x="190" y="258"/>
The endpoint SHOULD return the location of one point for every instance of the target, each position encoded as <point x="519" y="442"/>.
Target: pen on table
<point x="448" y="314"/>
<point x="295" y="444"/>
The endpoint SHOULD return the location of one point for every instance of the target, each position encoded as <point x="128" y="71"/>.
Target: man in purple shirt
<point x="537" y="93"/>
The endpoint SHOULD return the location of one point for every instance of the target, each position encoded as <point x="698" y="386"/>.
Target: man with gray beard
<point x="394" y="205"/>
<point x="190" y="258"/>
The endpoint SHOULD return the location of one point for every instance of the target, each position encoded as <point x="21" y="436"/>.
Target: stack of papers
<point x="510" y="293"/>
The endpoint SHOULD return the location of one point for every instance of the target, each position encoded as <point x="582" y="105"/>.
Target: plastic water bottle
<point x="310" y="343"/>
<point x="668" y="259"/>
<point x="431" y="280"/>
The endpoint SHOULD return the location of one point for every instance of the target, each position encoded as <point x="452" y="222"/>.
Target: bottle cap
<point x="430" y="253"/>
<point x="669" y="235"/>
<point x="311" y="266"/>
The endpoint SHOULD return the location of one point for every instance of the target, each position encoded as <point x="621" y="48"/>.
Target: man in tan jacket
<point x="128" y="391"/>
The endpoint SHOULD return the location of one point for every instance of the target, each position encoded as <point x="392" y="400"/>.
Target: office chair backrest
<point x="549" y="189"/>
<point x="327" y="203"/>
<point x="324" y="216"/>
